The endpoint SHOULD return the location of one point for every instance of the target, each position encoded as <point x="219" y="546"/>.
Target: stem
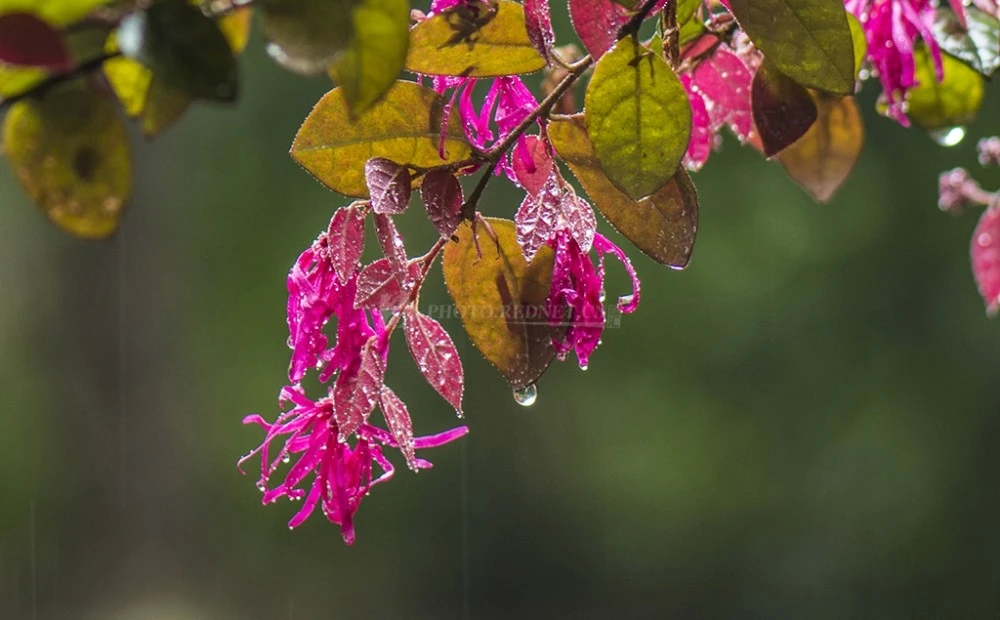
<point x="428" y="260"/>
<point x="53" y="80"/>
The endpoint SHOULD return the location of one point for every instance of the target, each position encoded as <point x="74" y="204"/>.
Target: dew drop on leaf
<point x="949" y="136"/>
<point x="526" y="396"/>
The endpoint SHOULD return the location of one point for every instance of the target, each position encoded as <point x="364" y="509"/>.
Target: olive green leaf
<point x="502" y="300"/>
<point x="954" y="101"/>
<point x="638" y="118"/>
<point x="183" y="48"/>
<point x="405" y="127"/>
<point x="376" y="54"/>
<point x="156" y="105"/>
<point x="808" y="40"/>
<point x="70" y="152"/>
<point x="305" y="35"/>
<point x="476" y="39"/>
<point x="822" y="159"/>
<point x="663" y="225"/>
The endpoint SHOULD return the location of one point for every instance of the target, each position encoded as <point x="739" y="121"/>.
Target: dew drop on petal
<point x="625" y="300"/>
<point x="526" y="396"/>
<point x="584" y="367"/>
<point x="949" y="136"/>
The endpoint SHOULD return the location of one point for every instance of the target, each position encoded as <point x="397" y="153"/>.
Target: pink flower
<point x="341" y="474"/>
<point x="316" y="294"/>
<point x="892" y="28"/>
<point x="506" y="105"/>
<point x="718" y="88"/>
<point x="577" y="293"/>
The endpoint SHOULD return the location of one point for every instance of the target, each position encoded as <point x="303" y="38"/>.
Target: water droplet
<point x="603" y="296"/>
<point x="949" y="136"/>
<point x="584" y="367"/>
<point x="286" y="458"/>
<point x="302" y="66"/>
<point x="261" y="486"/>
<point x="626" y="300"/>
<point x="985" y="240"/>
<point x="526" y="396"/>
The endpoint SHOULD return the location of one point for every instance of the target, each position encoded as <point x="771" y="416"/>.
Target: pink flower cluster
<point x="329" y="471"/>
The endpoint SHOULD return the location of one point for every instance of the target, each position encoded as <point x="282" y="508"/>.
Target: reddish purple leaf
<point x="783" y="111"/>
<point x="27" y="40"/>
<point x="346" y="240"/>
<point x="986" y="258"/>
<point x="553" y="208"/>
<point x="383" y="287"/>
<point x="397" y="417"/>
<point x="355" y="394"/>
<point x="540" y="159"/>
<point x="538" y="217"/>
<point x="723" y="81"/>
<point x="391" y="242"/>
<point x="578" y="217"/>
<point x="436" y="356"/>
<point x="443" y="200"/>
<point x="388" y="185"/>
<point x="538" y="21"/>
<point x="597" y="23"/>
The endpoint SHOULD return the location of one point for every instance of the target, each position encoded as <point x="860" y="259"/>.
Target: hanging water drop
<point x="584" y="367"/>
<point x="526" y="396"/>
<point x="949" y="136"/>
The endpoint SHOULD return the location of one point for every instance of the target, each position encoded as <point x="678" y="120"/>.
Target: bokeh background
<point x="803" y="424"/>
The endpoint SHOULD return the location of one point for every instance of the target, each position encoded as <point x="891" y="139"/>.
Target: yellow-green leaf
<point x="663" y="225"/>
<point x="405" y="126"/>
<point x="305" y="35"/>
<point x="55" y="12"/>
<point x="70" y="152"/>
<point x="474" y="40"/>
<point x="372" y="62"/>
<point x="502" y="300"/>
<point x="952" y="102"/>
<point x="858" y="43"/>
<point x="821" y="160"/>
<point x="808" y="40"/>
<point x="638" y="118"/>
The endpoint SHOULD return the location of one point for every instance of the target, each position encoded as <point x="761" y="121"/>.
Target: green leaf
<point x="638" y="118"/>
<point x="405" y="126"/>
<point x="70" y="152"/>
<point x="306" y="35"/>
<point x="783" y="111"/>
<point x="502" y="300"/>
<point x="663" y="225"/>
<point x="376" y="54"/>
<point x="183" y="48"/>
<point x="808" y="40"/>
<point x="953" y="102"/>
<point x="978" y="47"/>
<point x="147" y="98"/>
<point x="822" y="159"/>
<point x="474" y="40"/>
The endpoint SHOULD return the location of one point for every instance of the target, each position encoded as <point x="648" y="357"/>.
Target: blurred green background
<point x="803" y="424"/>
